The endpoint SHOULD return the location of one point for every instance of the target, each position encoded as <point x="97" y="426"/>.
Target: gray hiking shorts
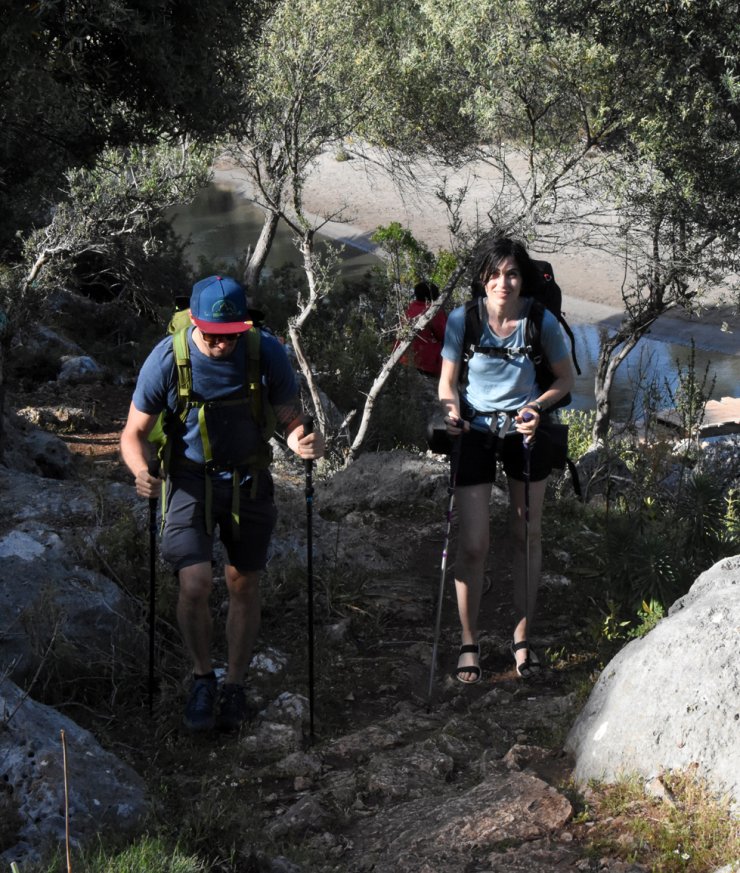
<point x="185" y="540"/>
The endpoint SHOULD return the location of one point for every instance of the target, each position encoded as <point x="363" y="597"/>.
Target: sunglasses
<point x="214" y="338"/>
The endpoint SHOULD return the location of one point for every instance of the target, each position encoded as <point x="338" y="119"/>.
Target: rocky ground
<point x="469" y="779"/>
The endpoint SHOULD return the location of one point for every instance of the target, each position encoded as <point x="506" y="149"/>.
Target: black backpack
<point x="546" y="295"/>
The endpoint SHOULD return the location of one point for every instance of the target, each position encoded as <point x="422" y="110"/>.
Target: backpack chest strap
<point x="506" y="353"/>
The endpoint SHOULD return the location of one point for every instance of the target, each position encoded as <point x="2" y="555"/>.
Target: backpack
<point x="546" y="295"/>
<point x="168" y="421"/>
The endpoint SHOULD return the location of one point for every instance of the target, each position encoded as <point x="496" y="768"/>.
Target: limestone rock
<point x="447" y="829"/>
<point x="105" y="794"/>
<point x="79" y="369"/>
<point x="51" y="455"/>
<point x="672" y="699"/>
<point x="55" y="610"/>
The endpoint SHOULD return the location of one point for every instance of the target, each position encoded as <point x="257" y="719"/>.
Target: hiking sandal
<point x="527" y="668"/>
<point x="473" y="649"/>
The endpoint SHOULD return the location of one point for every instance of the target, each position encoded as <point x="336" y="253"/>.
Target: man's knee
<point x="242" y="584"/>
<point x="196" y="582"/>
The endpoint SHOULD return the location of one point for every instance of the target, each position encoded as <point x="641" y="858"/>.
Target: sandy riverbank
<point x="353" y="200"/>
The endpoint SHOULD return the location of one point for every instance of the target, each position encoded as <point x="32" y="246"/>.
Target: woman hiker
<point x="498" y="383"/>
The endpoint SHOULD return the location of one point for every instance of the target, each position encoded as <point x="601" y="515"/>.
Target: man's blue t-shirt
<point x="502" y="384"/>
<point x="214" y="378"/>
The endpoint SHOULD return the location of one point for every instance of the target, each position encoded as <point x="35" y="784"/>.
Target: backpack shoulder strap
<point x="472" y="334"/>
<point x="183" y="368"/>
<point x="254" y="374"/>
<point x="533" y="327"/>
<point x="474" y="315"/>
<point x="262" y="411"/>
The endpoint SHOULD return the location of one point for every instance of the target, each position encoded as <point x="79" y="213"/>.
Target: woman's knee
<point x="472" y="553"/>
<point x="520" y="530"/>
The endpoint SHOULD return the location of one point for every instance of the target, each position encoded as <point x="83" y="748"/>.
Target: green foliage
<point x="691" y="395"/>
<point x="580" y="425"/>
<point x="348" y="340"/>
<point x="81" y="77"/>
<point x="444" y="265"/>
<point x="647" y="544"/>
<point x="649" y="614"/>
<point x="409" y="261"/>
<point x="109" y="238"/>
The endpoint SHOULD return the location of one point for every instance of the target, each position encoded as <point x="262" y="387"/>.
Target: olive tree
<point x="674" y="192"/>
<point x="81" y="81"/>
<point x="612" y="125"/>
<point x="324" y="73"/>
<point x="80" y="77"/>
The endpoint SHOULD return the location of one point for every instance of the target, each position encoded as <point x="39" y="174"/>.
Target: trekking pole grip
<point x="308" y="429"/>
<point x="153" y="470"/>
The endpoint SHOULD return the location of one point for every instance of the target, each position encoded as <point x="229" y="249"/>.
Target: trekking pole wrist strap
<point x="536" y="405"/>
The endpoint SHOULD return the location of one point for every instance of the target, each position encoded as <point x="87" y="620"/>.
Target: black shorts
<point x="185" y="540"/>
<point x="478" y="456"/>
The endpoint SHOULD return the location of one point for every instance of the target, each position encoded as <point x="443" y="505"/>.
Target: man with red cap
<point x="217" y="477"/>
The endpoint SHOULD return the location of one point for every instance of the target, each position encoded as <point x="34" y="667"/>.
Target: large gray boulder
<point x="672" y="699"/>
<point x="60" y="616"/>
<point x="53" y="609"/>
<point x="105" y="794"/>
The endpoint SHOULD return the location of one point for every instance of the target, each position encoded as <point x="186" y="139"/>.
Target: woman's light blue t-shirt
<point x="502" y="384"/>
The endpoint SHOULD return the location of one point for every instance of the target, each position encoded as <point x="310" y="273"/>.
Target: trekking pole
<point x="307" y="429"/>
<point x="527" y="444"/>
<point x="454" y="461"/>
<point x="153" y="468"/>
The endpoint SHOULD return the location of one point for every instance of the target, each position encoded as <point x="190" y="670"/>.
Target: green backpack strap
<point x="184" y="371"/>
<point x="262" y="411"/>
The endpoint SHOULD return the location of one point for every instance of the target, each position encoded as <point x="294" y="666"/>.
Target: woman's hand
<point x="456" y="425"/>
<point x="527" y="421"/>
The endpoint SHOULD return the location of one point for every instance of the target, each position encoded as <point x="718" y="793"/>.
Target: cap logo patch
<point x="223" y="308"/>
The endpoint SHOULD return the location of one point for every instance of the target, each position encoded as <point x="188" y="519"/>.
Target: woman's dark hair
<point x="426" y="291"/>
<point x="489" y="256"/>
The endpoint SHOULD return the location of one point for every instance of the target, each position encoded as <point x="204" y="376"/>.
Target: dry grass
<point x="673" y="824"/>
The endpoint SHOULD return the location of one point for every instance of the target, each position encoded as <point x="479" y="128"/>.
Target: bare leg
<point x="525" y="591"/>
<point x="473" y="541"/>
<point x="194" y="616"/>
<point x="242" y="620"/>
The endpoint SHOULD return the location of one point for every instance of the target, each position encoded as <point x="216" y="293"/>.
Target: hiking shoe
<point x="201" y="703"/>
<point x="232" y="707"/>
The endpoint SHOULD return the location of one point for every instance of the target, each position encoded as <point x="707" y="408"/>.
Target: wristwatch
<point x="536" y="405"/>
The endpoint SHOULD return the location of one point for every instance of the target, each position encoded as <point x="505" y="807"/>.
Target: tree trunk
<point x="257" y="260"/>
<point x="419" y="324"/>
<point x="612" y="351"/>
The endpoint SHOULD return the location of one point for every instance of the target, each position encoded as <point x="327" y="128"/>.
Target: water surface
<point x="221" y="224"/>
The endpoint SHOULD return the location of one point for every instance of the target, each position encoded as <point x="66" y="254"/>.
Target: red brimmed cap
<point x="218" y="304"/>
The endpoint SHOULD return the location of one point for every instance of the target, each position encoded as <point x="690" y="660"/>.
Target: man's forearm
<point x="134" y="452"/>
<point x="289" y="416"/>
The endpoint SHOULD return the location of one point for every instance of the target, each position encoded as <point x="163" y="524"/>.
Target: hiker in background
<point x="500" y="390"/>
<point x="234" y="491"/>
<point x="426" y="348"/>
